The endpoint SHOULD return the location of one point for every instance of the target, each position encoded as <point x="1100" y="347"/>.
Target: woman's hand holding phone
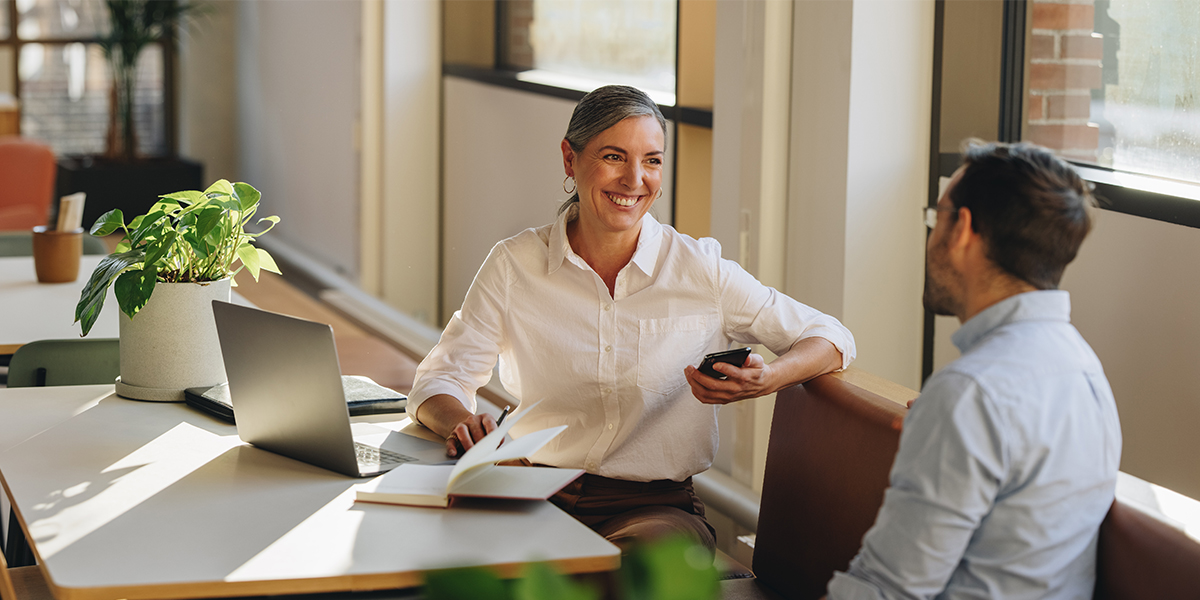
<point x="735" y="379"/>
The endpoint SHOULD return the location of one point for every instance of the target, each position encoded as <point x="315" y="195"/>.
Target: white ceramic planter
<point x="172" y="344"/>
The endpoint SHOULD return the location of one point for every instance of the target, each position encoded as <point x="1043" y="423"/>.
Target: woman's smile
<point x="625" y="201"/>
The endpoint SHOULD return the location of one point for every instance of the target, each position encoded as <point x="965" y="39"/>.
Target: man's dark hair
<point x="1031" y="208"/>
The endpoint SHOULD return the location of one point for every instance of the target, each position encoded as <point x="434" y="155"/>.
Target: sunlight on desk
<point x="129" y="499"/>
<point x="83" y="508"/>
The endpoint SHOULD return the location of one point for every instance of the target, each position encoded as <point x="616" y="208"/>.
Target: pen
<point x="502" y="415"/>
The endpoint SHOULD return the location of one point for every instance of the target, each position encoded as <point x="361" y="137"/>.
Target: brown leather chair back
<point x="1141" y="557"/>
<point x="831" y="449"/>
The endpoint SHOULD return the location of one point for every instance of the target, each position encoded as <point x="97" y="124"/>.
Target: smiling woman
<point x="616" y="162"/>
<point x="600" y="318"/>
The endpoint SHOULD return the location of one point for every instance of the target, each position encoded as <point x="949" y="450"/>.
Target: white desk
<point x="44" y="311"/>
<point x="31" y="311"/>
<point x="126" y="499"/>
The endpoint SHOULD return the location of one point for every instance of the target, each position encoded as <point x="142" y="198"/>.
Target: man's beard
<point x="939" y="297"/>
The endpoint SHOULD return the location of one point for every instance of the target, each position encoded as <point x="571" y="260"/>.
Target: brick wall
<point x="519" y="50"/>
<point x="1064" y="67"/>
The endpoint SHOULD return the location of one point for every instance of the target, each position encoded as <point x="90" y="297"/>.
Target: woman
<point x="601" y="316"/>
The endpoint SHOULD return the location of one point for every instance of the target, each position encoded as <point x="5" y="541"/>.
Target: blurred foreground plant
<point x="671" y="569"/>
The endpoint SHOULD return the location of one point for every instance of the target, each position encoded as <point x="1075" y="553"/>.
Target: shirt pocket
<point x="666" y="346"/>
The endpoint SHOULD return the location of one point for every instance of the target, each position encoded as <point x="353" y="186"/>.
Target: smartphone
<point x="736" y="357"/>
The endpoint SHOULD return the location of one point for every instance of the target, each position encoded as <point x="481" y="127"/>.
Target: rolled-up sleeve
<point x="464" y="356"/>
<point x="758" y="314"/>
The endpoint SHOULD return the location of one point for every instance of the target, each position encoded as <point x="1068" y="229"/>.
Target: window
<point x="583" y="44"/>
<point x="50" y="62"/>
<point x="1117" y="84"/>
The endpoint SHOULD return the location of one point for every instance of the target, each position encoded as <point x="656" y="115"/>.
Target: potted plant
<point x="133" y="24"/>
<point x="171" y="263"/>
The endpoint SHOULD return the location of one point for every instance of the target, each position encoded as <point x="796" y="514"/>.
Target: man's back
<point x="1007" y="465"/>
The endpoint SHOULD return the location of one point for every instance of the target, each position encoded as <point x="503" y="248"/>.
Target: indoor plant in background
<point x="121" y="177"/>
<point x="171" y="263"/>
<point x="133" y="24"/>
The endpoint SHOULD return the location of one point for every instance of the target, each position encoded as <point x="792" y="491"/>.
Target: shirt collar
<point x="559" y="246"/>
<point x="645" y="257"/>
<point x="1046" y="305"/>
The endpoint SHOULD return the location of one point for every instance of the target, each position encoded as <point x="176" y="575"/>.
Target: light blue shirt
<point x="1007" y="465"/>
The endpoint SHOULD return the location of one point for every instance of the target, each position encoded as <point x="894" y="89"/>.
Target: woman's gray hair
<point x="602" y="108"/>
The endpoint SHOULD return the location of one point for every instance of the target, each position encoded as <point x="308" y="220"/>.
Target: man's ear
<point x="568" y="158"/>
<point x="961" y="237"/>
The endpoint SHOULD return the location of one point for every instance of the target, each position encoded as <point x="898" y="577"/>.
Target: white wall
<point x="411" y="183"/>
<point x="1135" y="298"/>
<point x="208" y="110"/>
<point x="862" y="75"/>
<point x="888" y="172"/>
<point x="298" y="90"/>
<point x="503" y="173"/>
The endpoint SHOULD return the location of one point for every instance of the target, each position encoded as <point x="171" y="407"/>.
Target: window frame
<point x="169" y="62"/>
<point x="501" y="75"/>
<point x="1119" y="191"/>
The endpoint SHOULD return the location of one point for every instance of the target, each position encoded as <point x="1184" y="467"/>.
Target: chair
<point x="828" y="460"/>
<point x="65" y="362"/>
<point x="22" y="583"/>
<point x="57" y="362"/>
<point x="1142" y="557"/>
<point x="27" y="173"/>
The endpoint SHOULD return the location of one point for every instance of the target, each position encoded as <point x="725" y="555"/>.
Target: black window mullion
<point x="1012" y="71"/>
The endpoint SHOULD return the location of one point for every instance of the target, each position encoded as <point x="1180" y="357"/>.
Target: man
<point x="1008" y="459"/>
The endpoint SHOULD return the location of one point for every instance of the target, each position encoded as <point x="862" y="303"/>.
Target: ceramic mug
<point x="56" y="254"/>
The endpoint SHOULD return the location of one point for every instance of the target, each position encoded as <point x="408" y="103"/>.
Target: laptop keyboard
<point x="378" y="456"/>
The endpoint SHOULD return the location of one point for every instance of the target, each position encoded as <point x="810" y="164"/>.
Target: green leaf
<point x="266" y="262"/>
<point x="670" y="569"/>
<point x="147" y="227"/>
<point x="207" y="219"/>
<point x="544" y="583"/>
<point x="221" y="186"/>
<point x="185" y="198"/>
<point x="249" y="257"/>
<point x="108" y="222"/>
<point x="91" y="298"/>
<point x="273" y="220"/>
<point x="156" y="250"/>
<point x="133" y="289"/>
<point x="246" y="195"/>
<point x="169" y="207"/>
<point x="464" y="584"/>
<point x="226" y="203"/>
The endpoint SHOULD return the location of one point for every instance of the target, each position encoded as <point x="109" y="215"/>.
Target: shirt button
<point x="608" y="348"/>
<point x="607" y="390"/>
<point x="610" y="425"/>
<point x="592" y="466"/>
<point x="607" y="307"/>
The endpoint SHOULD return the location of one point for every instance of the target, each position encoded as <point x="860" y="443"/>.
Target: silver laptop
<point x="285" y="385"/>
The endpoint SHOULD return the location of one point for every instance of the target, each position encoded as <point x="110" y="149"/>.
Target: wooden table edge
<point x="315" y="585"/>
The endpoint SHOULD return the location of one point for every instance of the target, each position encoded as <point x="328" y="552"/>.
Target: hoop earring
<point x="659" y="194"/>
<point x="573" y="186"/>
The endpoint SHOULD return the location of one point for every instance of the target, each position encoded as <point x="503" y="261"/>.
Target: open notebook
<point x="475" y="475"/>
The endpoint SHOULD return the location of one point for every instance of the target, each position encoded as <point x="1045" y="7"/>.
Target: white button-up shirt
<point x="611" y="367"/>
